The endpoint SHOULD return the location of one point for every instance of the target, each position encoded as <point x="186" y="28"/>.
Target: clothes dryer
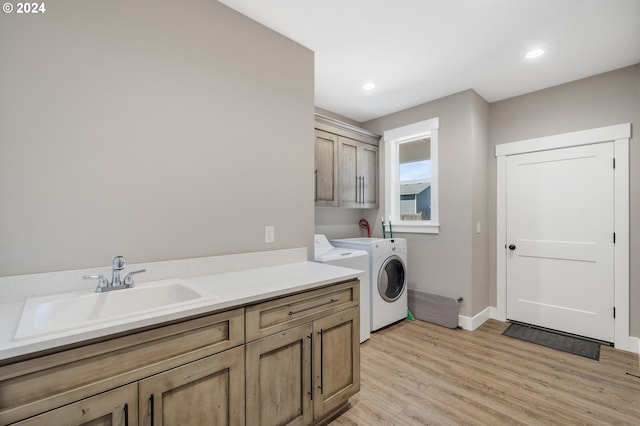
<point x="388" y="277"/>
<point x="354" y="259"/>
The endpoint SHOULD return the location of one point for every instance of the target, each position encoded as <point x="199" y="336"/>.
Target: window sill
<point x="410" y="228"/>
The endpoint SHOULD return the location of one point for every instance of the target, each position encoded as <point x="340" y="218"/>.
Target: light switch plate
<point x="269" y="234"/>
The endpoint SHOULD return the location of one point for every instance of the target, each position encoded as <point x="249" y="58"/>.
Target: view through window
<point x="411" y="177"/>
<point x="415" y="180"/>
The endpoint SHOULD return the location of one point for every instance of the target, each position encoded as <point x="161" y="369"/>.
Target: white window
<point x="411" y="177"/>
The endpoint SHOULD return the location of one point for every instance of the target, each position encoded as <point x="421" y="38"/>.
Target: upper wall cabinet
<point x="346" y="161"/>
<point x="326" y="162"/>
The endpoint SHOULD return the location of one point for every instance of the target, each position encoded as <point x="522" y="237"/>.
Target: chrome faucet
<point x="119" y="263"/>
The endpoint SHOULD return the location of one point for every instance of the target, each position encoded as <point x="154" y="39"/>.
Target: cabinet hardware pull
<point x="310" y="336"/>
<point x="362" y="190"/>
<point x="321" y="362"/>
<point x="152" y="409"/>
<point x="313" y="307"/>
<point x="126" y="414"/>
<point x="315" y="191"/>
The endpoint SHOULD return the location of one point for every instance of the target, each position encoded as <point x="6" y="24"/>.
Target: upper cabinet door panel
<point x="326" y="169"/>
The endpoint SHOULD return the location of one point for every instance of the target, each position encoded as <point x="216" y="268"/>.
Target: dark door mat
<point x="561" y="342"/>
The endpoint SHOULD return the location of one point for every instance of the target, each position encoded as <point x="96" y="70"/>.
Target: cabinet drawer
<point x="40" y="384"/>
<point x="276" y="315"/>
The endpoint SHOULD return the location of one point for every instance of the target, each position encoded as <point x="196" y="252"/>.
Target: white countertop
<point x="233" y="289"/>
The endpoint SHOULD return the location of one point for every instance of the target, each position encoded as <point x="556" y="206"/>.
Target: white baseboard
<point x="471" y="323"/>
<point x="634" y="345"/>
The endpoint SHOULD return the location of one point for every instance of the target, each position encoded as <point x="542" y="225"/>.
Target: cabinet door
<point x="118" y="407"/>
<point x="279" y="378"/>
<point x="368" y="171"/>
<point x="348" y="173"/>
<point x="209" y="391"/>
<point x="358" y="174"/>
<point x="326" y="169"/>
<point x="336" y="360"/>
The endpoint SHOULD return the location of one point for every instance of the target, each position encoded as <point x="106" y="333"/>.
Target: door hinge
<point x="614" y="162"/>
<point x="614" y="311"/>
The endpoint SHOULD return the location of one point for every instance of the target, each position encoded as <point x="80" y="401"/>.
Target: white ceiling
<point x="416" y="51"/>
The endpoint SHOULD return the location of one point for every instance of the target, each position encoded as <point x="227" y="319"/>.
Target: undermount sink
<point x="62" y="312"/>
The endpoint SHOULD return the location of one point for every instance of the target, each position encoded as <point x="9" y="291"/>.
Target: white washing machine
<point x="354" y="259"/>
<point x="388" y="275"/>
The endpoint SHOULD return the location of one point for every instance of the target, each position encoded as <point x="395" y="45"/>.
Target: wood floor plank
<point x="416" y="373"/>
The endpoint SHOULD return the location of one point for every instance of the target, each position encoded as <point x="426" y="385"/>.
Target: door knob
<point x="512" y="247"/>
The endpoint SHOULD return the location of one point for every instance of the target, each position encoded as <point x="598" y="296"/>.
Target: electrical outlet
<point x="269" y="234"/>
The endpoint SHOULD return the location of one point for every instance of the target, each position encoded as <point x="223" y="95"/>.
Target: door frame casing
<point x="620" y="135"/>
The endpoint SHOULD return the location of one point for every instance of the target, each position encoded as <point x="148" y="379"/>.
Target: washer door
<point x="391" y="279"/>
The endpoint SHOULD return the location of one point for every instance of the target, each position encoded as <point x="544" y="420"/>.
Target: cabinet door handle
<point x="315" y="191"/>
<point x="362" y="192"/>
<point x="313" y="307"/>
<point x="151" y="402"/>
<point x="126" y="414"/>
<point x="321" y="363"/>
<point x="310" y="336"/>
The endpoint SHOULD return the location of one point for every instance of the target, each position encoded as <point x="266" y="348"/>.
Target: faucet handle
<point x="128" y="279"/>
<point x="102" y="281"/>
<point x="119" y="262"/>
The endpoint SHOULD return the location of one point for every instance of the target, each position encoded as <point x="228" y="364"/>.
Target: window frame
<point x="392" y="140"/>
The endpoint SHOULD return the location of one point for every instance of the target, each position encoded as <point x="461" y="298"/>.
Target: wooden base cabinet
<point x="98" y="384"/>
<point x="336" y="360"/>
<point x="298" y="365"/>
<point x="209" y="391"/>
<point x="301" y="375"/>
<point x="279" y="378"/>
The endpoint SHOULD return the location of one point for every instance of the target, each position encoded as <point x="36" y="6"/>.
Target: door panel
<point x="326" y="163"/>
<point x="336" y="360"/>
<point x="209" y="391"/>
<point x="367" y="169"/>
<point x="560" y="216"/>
<point x="348" y="160"/>
<point x="279" y="383"/>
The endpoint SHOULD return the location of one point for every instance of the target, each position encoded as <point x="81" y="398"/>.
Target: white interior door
<point x="560" y="249"/>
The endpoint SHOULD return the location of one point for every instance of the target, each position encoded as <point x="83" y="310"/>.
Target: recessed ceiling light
<point x="368" y="86"/>
<point x="535" y="53"/>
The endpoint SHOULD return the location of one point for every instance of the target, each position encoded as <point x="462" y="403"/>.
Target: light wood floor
<point x="415" y="373"/>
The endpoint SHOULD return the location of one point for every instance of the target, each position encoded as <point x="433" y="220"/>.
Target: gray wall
<point x="451" y="263"/>
<point x="151" y="129"/>
<point x="461" y="262"/>
<point x="603" y="100"/>
<point x="480" y="159"/>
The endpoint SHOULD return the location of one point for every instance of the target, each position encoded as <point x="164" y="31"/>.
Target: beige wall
<point x="152" y="129"/>
<point x="446" y="263"/>
<point x="603" y="100"/>
<point x="480" y="156"/>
